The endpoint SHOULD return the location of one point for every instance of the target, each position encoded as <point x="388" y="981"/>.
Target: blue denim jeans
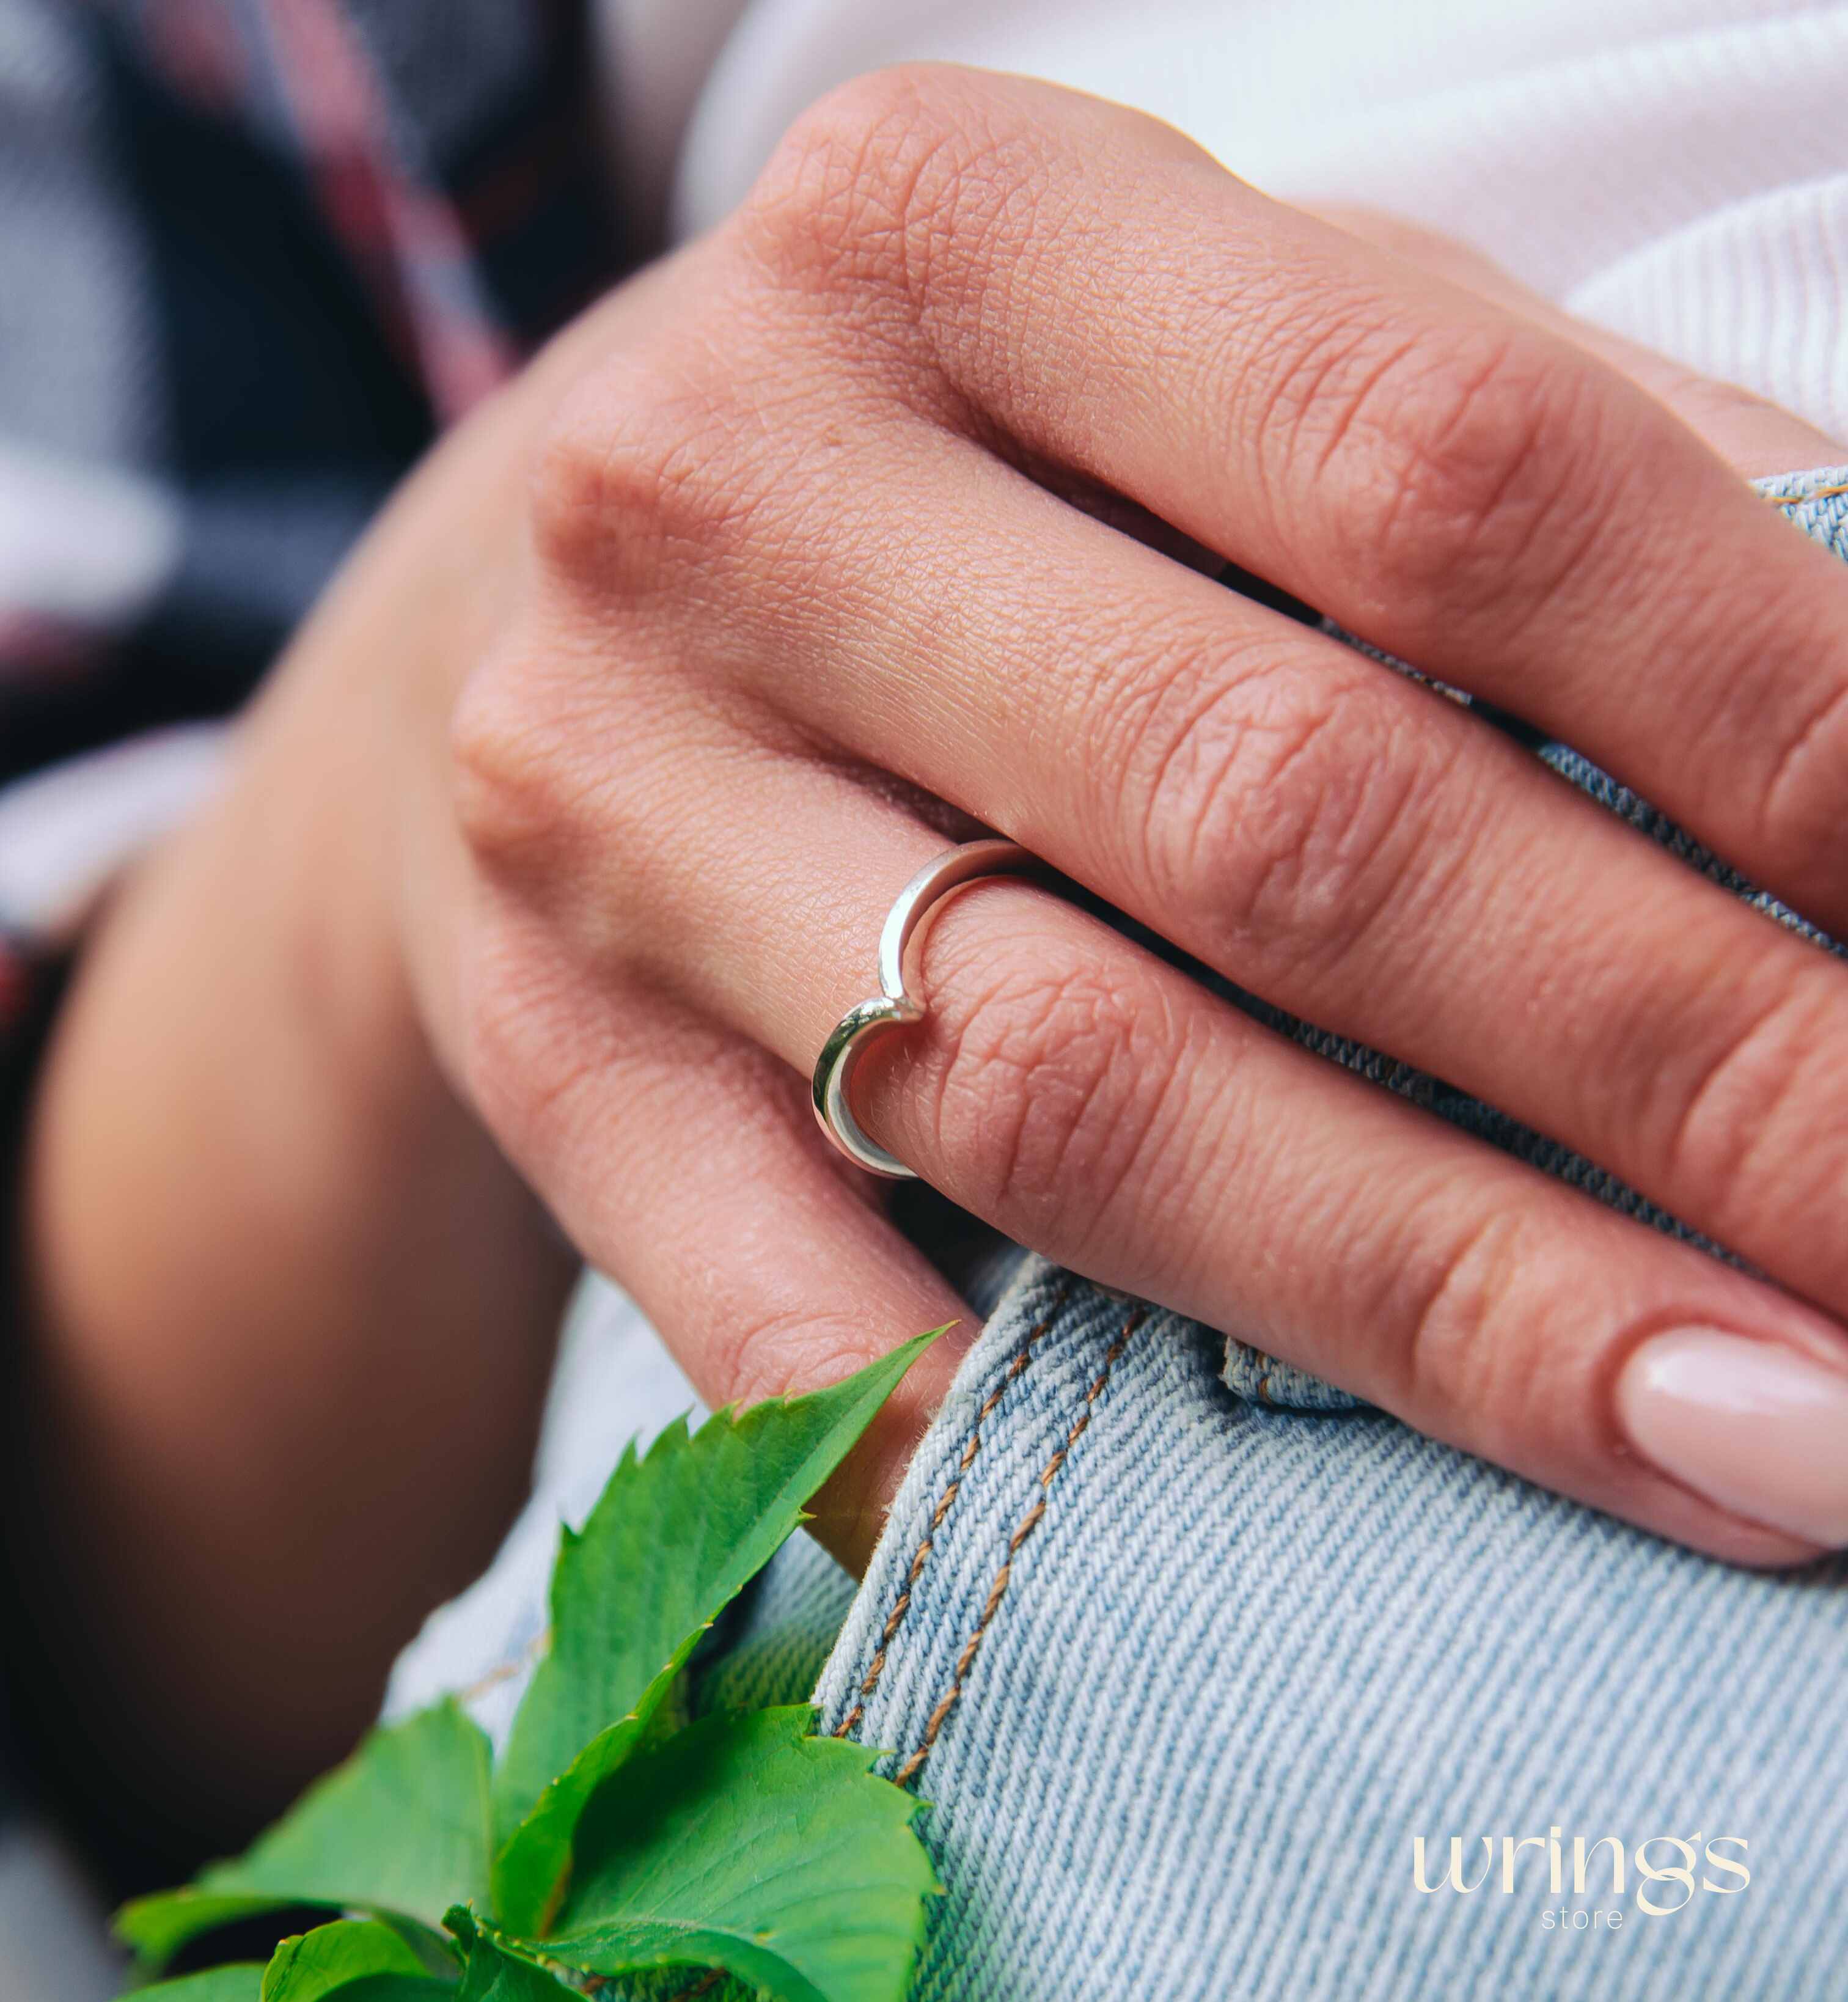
<point x="1204" y="1667"/>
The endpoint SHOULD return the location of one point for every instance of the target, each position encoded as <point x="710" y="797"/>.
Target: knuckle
<point x="496" y="772"/>
<point x="1470" y="1355"/>
<point x="1453" y="451"/>
<point x="869" y="184"/>
<point x="559" y="769"/>
<point x="1277" y="803"/>
<point x="599" y="473"/>
<point x="1047" y="1088"/>
<point x="573" y="784"/>
<point x="782" y="1348"/>
<point x="1798" y="816"/>
<point x="1726" y="1126"/>
<point x="825" y="194"/>
<point x="507" y="790"/>
<point x="633" y="474"/>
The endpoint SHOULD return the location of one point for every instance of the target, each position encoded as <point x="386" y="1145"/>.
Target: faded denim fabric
<point x="1183" y="1673"/>
<point x="1186" y="1649"/>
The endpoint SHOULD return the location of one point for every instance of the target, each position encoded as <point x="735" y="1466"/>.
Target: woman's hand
<point x="832" y="526"/>
<point x="881" y="514"/>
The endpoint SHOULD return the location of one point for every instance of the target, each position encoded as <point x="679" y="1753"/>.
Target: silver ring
<point x="892" y="1007"/>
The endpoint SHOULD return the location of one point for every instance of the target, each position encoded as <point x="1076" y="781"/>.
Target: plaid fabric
<point x="253" y="255"/>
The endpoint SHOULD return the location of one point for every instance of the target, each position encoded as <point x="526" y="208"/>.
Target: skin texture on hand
<point x="564" y="833"/>
<point x="944" y="284"/>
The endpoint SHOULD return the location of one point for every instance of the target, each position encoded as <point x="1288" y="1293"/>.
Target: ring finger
<point x="1099" y="1105"/>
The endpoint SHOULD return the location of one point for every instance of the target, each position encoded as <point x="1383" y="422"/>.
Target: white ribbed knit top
<point x="1676" y="170"/>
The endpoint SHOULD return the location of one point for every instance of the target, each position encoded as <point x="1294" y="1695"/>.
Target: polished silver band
<point x="892" y="1007"/>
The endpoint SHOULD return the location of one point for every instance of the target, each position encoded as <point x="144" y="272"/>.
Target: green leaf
<point x="357" y="1959"/>
<point x="531" y="1872"/>
<point x="743" y="1844"/>
<point x="674" y="1537"/>
<point x="241" y="1981"/>
<point x="402" y="1828"/>
<point x="499" y="1970"/>
<point x="495" y="1976"/>
<point x="158" y="1926"/>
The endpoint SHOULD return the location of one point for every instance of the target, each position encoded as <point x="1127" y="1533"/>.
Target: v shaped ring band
<point x="892" y="1007"/>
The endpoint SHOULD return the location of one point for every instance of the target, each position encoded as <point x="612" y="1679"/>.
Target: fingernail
<point x="1759" y="1429"/>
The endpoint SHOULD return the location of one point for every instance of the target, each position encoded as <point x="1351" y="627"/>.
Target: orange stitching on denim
<point x="1023" y="1529"/>
<point x="921" y="1557"/>
<point x="1798" y="500"/>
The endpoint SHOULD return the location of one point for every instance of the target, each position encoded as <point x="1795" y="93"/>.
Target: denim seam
<point x="1802" y="500"/>
<point x="1023" y="1529"/>
<point x="921" y="1557"/>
